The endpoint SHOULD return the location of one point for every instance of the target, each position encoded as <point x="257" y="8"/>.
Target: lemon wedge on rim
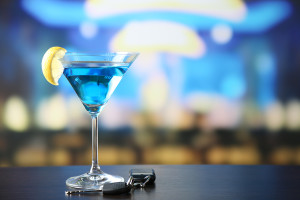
<point x="51" y="65"/>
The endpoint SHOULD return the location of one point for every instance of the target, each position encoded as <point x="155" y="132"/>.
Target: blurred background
<point x="216" y="82"/>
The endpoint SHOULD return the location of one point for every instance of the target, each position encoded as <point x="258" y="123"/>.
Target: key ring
<point x="142" y="184"/>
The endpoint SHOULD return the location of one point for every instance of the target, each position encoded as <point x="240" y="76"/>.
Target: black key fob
<point x="116" y="188"/>
<point x="142" y="175"/>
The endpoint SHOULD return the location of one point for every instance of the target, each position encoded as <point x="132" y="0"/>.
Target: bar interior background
<point x="216" y="82"/>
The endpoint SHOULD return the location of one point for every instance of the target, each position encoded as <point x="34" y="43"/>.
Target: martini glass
<point x="94" y="77"/>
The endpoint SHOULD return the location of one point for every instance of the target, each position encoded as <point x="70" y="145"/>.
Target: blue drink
<point x="94" y="82"/>
<point x="94" y="77"/>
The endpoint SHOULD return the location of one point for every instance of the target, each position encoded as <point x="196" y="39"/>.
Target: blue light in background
<point x="55" y="12"/>
<point x="216" y="73"/>
<point x="98" y="43"/>
<point x="233" y="86"/>
<point x="265" y="66"/>
<point x="260" y="16"/>
<point x="263" y="16"/>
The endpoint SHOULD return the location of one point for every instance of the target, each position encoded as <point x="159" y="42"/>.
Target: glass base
<point x="92" y="181"/>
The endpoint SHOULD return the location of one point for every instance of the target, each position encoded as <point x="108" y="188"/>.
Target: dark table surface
<point x="173" y="182"/>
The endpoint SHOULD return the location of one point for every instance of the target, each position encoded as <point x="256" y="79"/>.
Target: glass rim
<point x="108" y="57"/>
<point x="73" y="53"/>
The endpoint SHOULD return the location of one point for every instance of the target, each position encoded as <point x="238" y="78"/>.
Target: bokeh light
<point x="52" y="113"/>
<point x="234" y="10"/>
<point x="158" y="36"/>
<point x="88" y="29"/>
<point x="293" y="115"/>
<point x="221" y="33"/>
<point x="216" y="82"/>
<point x="16" y="114"/>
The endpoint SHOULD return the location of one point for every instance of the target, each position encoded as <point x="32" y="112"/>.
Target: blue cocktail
<point x="94" y="85"/>
<point x="94" y="79"/>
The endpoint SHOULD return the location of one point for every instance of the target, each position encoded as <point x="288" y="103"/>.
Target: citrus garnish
<point x="51" y="64"/>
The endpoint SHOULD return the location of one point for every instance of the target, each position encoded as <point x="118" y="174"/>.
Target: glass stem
<point x="95" y="169"/>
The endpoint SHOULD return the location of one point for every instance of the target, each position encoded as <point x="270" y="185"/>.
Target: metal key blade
<point x="68" y="192"/>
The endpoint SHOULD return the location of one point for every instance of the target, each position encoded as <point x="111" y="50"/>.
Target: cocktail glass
<point x="94" y="77"/>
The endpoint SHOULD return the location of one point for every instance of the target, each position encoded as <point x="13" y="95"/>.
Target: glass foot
<point x="92" y="181"/>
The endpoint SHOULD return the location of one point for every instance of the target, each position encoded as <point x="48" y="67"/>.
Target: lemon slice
<point x="51" y="66"/>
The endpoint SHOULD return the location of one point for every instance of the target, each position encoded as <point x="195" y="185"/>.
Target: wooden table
<point x="173" y="182"/>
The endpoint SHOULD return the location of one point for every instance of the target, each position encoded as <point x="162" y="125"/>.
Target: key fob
<point x="116" y="188"/>
<point x="140" y="175"/>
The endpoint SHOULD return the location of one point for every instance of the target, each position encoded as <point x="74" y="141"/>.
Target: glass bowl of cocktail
<point x="94" y="77"/>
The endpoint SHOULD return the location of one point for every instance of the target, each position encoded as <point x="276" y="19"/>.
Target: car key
<point x="141" y="177"/>
<point x="116" y="188"/>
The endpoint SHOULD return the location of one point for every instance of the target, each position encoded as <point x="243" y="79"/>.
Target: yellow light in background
<point x="233" y="10"/>
<point x="253" y="117"/>
<point x="146" y="63"/>
<point x="274" y="116"/>
<point x="16" y="114"/>
<point x="154" y="93"/>
<point x="293" y="115"/>
<point x="200" y="102"/>
<point x="282" y="155"/>
<point x="175" y="117"/>
<point x="172" y="155"/>
<point x="158" y="36"/>
<point x="52" y="113"/>
<point x="1" y="111"/>
<point x="172" y="114"/>
<point x="224" y="113"/>
<point x="77" y="115"/>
